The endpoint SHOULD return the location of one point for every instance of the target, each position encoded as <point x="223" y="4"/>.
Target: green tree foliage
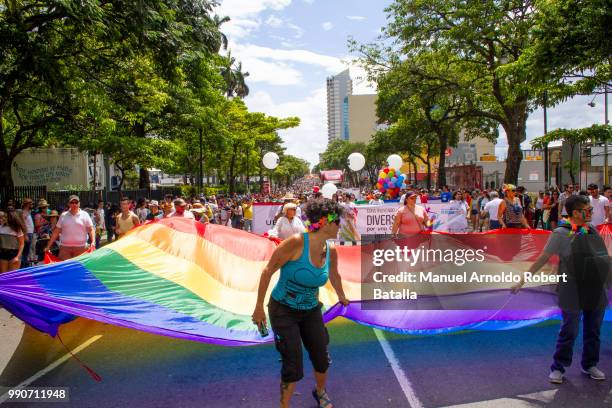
<point x="570" y="44"/>
<point x="452" y="53"/>
<point x="137" y="81"/>
<point x="290" y="169"/>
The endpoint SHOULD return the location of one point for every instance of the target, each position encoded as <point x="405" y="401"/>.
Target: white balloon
<point x="395" y="161"/>
<point x="270" y="160"/>
<point x="356" y="161"/>
<point x="329" y="190"/>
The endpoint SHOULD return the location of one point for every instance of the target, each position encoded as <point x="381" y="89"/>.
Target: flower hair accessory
<point x="312" y="227"/>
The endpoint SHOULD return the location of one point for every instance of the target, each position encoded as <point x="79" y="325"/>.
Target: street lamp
<point x="592" y="105"/>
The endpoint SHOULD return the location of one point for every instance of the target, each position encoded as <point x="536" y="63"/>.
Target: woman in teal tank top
<point x="306" y="262"/>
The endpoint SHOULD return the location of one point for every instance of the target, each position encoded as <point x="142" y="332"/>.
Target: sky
<point x="290" y="47"/>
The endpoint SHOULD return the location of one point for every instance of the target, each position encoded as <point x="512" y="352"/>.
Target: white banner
<point x="378" y="219"/>
<point x="263" y="216"/>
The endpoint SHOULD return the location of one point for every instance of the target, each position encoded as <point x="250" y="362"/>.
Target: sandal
<point x="322" y="399"/>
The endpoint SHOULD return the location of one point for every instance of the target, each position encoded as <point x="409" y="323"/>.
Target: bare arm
<point x="283" y="253"/>
<point x="21" y="240"/>
<point x="500" y="213"/>
<point x="92" y="236"/>
<point x="54" y="236"/>
<point x="334" y="276"/>
<point x="536" y="266"/>
<point x="396" y="223"/>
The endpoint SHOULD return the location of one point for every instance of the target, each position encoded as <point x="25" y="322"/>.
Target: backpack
<point x="588" y="269"/>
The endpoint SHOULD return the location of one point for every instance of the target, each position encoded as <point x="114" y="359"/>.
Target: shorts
<point x="292" y="327"/>
<point x="474" y="212"/>
<point x="8" y="254"/>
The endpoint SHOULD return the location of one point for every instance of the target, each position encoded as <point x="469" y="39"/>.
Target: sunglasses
<point x="73" y="202"/>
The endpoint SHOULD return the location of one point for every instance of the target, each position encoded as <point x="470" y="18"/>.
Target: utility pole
<point x="546" y="179"/>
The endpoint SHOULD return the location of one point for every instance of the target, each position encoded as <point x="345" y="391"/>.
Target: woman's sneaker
<point x="556" y="377"/>
<point x="595" y="373"/>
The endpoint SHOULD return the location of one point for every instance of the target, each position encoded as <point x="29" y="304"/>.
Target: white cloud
<point x="244" y="15"/>
<point x="327" y="25"/>
<point x="298" y="31"/>
<point x="240" y="28"/>
<point x="246" y="8"/>
<point x="250" y="51"/>
<point x="274" y="21"/>
<point x="309" y="1"/>
<point x="310" y="138"/>
<point x="272" y="73"/>
<point x="356" y="18"/>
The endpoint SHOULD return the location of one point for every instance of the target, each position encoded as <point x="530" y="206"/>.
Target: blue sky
<point x="290" y="47"/>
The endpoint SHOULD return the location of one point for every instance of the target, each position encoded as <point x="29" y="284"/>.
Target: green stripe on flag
<point x="118" y="274"/>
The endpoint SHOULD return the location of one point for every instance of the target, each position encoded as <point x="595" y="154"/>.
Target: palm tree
<point x="234" y="78"/>
<point x="218" y="21"/>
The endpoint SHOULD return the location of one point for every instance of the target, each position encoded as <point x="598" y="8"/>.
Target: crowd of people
<point x="28" y="230"/>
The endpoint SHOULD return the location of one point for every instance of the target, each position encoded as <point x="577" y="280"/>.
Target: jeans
<point x="494" y="224"/>
<point x="248" y="225"/>
<point x="591" y="327"/>
<point x="26" y="250"/>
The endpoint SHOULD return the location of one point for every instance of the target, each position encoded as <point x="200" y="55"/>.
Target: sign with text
<point x="263" y="216"/>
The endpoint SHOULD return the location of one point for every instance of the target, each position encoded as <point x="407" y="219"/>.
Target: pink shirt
<point x="75" y="228"/>
<point x="410" y="223"/>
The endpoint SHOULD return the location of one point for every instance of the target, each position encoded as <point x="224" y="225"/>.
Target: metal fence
<point x="59" y="199"/>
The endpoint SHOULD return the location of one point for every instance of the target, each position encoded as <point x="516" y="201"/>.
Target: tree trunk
<point x="443" y="142"/>
<point x="570" y="166"/>
<point x="428" y="169"/>
<point x="515" y="133"/>
<point x="5" y="174"/>
<point x="232" y="182"/>
<point x="515" y="156"/>
<point x="143" y="176"/>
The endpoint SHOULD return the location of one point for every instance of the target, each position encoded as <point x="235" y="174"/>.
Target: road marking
<point x="404" y="382"/>
<point x="52" y="366"/>
<point x="535" y="399"/>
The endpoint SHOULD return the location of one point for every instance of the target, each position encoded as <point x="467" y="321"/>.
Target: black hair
<point x="573" y="202"/>
<point x="321" y="207"/>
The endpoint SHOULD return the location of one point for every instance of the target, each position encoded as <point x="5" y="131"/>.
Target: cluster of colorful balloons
<point x="390" y="182"/>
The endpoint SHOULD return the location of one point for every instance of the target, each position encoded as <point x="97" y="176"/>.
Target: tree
<point x="290" y="169"/>
<point x="570" y="44"/>
<point x="67" y="64"/>
<point x="234" y="78"/>
<point x="574" y="138"/>
<point x="458" y="49"/>
<point x="244" y="127"/>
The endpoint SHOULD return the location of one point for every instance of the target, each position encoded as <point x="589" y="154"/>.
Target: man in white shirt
<point x="492" y="208"/>
<point x="179" y="210"/>
<point x="601" y="206"/>
<point x="73" y="228"/>
<point x="26" y="213"/>
<point x="569" y="191"/>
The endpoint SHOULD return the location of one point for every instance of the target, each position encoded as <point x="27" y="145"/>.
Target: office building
<point x="339" y="87"/>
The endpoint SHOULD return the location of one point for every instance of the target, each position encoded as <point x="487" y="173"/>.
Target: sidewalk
<point x="12" y="331"/>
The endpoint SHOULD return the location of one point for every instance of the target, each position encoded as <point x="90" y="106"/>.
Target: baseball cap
<point x="74" y="198"/>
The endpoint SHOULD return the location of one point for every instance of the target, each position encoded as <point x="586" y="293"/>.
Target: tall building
<point x="362" y="119"/>
<point x="339" y="87"/>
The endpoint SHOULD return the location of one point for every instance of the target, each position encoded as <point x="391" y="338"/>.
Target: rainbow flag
<point x="180" y="278"/>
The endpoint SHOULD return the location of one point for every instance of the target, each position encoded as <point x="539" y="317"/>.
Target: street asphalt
<point x="469" y="369"/>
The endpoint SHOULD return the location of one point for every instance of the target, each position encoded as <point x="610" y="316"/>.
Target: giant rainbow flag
<point x="182" y="279"/>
